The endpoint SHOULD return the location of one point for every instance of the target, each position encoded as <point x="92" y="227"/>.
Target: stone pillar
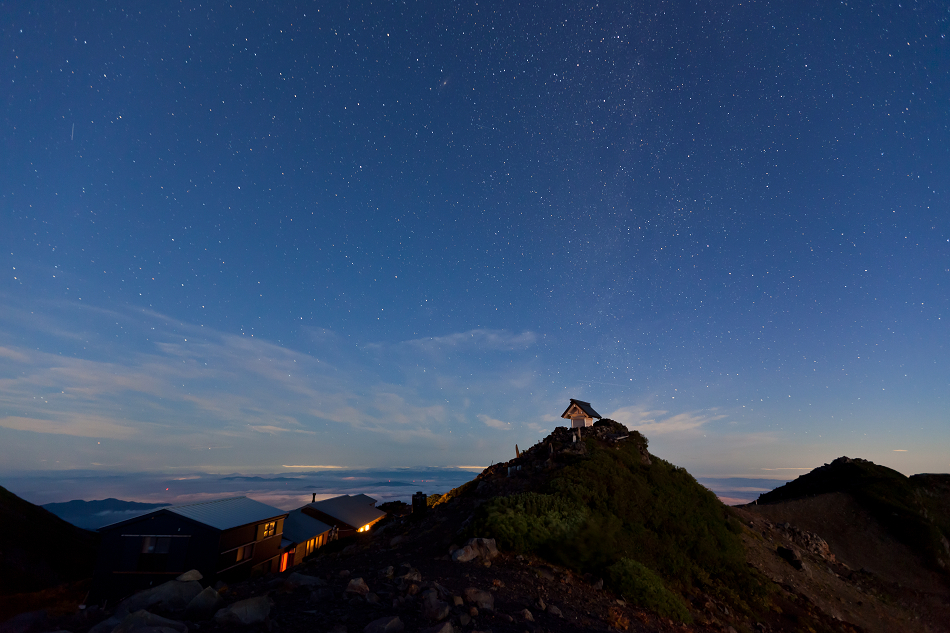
<point x="419" y="506"/>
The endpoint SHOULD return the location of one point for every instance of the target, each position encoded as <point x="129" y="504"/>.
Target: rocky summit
<point x="585" y="531"/>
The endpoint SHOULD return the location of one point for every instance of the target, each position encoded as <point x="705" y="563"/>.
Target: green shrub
<point x="608" y="507"/>
<point x="531" y="522"/>
<point x="641" y="586"/>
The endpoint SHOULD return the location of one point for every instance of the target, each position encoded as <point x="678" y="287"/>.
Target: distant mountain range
<point x="92" y="515"/>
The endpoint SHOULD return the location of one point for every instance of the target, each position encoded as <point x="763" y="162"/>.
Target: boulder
<point x="173" y="595"/>
<point x="464" y="554"/>
<point x="434" y="609"/>
<point x="302" y="580"/>
<point x="204" y="605"/>
<point x="244" y="612"/>
<point x="407" y="580"/>
<point x="791" y="556"/>
<point x="527" y="615"/>
<point x="357" y="586"/>
<point x="194" y="574"/>
<point x="144" y="620"/>
<point x="389" y="624"/>
<point x="554" y="611"/>
<point x="484" y="548"/>
<point x="479" y="598"/>
<point x="412" y="575"/>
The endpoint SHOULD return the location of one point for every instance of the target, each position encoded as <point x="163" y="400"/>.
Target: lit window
<point x="270" y="529"/>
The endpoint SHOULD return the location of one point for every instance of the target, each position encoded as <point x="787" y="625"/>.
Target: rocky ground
<point x="860" y="575"/>
<point x="411" y="576"/>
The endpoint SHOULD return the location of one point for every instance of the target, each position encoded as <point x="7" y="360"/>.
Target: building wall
<point x="150" y="550"/>
<point x="179" y="545"/>
<point x="264" y="548"/>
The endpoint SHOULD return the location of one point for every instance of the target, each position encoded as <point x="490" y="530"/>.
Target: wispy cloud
<point x="314" y="467"/>
<point x="656" y="422"/>
<point x="178" y="384"/>
<point x="493" y="423"/>
<point x="77" y="426"/>
<point x="478" y="339"/>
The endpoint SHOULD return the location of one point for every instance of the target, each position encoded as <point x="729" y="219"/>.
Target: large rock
<point x="484" y="548"/>
<point x="479" y="598"/>
<point x="173" y="595"/>
<point x="142" y="619"/>
<point x="464" y="554"/>
<point x="389" y="624"/>
<point x="357" y="586"/>
<point x="405" y="581"/>
<point x="434" y="609"/>
<point x="244" y="612"/>
<point x="204" y="605"/>
<point x="194" y="574"/>
<point x="476" y="548"/>
<point x="791" y="556"/>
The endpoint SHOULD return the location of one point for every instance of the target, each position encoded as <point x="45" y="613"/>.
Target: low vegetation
<point x="645" y="526"/>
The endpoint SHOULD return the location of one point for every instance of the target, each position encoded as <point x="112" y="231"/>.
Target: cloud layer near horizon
<point x="246" y="402"/>
<point x="132" y="389"/>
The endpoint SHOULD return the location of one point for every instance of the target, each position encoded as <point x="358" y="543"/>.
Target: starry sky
<point x="271" y="238"/>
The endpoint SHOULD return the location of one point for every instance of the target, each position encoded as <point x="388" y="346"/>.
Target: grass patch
<point x="643" y="587"/>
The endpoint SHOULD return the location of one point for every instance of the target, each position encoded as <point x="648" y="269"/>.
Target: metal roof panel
<point x="300" y="528"/>
<point x="353" y="511"/>
<point x="224" y="514"/>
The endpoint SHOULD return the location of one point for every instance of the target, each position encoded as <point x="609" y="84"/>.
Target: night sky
<point x="253" y="237"/>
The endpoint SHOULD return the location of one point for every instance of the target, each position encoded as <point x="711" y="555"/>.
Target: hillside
<point x="915" y="510"/>
<point x="883" y="535"/>
<point x="40" y="550"/>
<point x="92" y="515"/>
<point x="605" y="506"/>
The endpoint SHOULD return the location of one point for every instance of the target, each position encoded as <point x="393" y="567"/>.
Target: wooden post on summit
<point x="517" y="452"/>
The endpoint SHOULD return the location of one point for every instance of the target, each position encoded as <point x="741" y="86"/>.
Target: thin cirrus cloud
<point x="652" y="423"/>
<point x="75" y="425"/>
<point x="174" y="383"/>
<point x="493" y="423"/>
<point x="474" y="340"/>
